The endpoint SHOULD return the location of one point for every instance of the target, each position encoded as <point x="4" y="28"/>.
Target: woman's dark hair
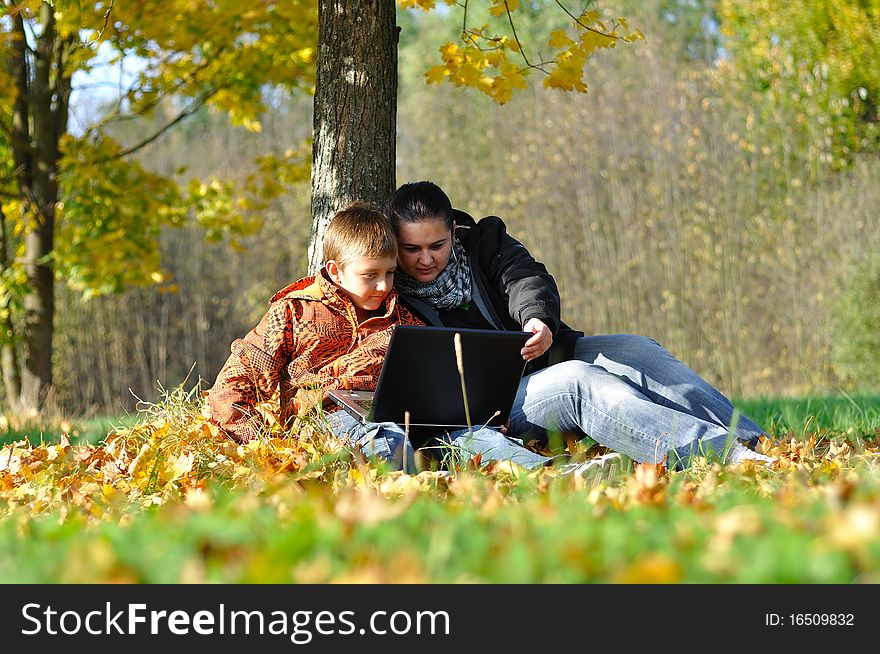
<point x="418" y="201"/>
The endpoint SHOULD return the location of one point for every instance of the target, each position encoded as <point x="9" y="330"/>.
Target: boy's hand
<point x="540" y="342"/>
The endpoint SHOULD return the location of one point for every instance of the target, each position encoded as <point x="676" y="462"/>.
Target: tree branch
<point x="30" y="28"/>
<point x="115" y="116"/>
<point x="95" y="85"/>
<point x="185" y="113"/>
<point x="101" y="33"/>
<point x="464" y="28"/>
<point x="19" y="131"/>
<point x="522" y="51"/>
<point x="586" y="27"/>
<point x="4" y="250"/>
<point x="494" y="41"/>
<point x="62" y="83"/>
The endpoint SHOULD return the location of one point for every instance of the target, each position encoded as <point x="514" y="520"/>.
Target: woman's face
<point x="424" y="248"/>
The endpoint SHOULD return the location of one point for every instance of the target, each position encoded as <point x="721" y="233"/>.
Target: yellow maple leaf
<point x="590" y="40"/>
<point x="436" y="74"/>
<point x="496" y="58"/>
<point x="501" y="7"/>
<point x="424" y="5"/>
<point x="448" y="50"/>
<point x="468" y="75"/>
<point x="559" y="39"/>
<point x="142" y="466"/>
<point x="179" y="466"/>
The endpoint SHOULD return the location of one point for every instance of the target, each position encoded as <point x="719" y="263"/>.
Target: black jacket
<point x="509" y="286"/>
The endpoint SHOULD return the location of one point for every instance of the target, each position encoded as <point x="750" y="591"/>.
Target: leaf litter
<point x="175" y="459"/>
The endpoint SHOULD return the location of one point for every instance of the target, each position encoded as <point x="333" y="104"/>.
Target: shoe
<point x="606" y="462"/>
<point x="739" y="453"/>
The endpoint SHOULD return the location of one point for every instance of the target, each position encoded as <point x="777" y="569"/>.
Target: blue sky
<point x="104" y="83"/>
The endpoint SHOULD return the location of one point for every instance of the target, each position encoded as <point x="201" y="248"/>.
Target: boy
<point x="332" y="331"/>
<point x="303" y="341"/>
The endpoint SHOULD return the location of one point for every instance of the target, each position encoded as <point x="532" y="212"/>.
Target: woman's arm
<point x="530" y="290"/>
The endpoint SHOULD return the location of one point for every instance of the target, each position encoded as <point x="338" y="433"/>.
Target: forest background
<point x="717" y="189"/>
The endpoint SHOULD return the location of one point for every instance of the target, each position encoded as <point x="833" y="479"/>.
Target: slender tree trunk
<point x="355" y="110"/>
<point x="8" y="358"/>
<point x="49" y="92"/>
<point x="17" y="65"/>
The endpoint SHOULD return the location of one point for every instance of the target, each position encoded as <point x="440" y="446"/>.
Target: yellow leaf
<point x="142" y="467"/>
<point x="363" y="506"/>
<point x="252" y="125"/>
<point x="505" y="468"/>
<point x="448" y="50"/>
<point x="559" y="39"/>
<point x="857" y="527"/>
<point x="424" y="5"/>
<point x="180" y="466"/>
<point x="651" y="569"/>
<point x="496" y="58"/>
<point x="500" y="7"/>
<point x="436" y="74"/>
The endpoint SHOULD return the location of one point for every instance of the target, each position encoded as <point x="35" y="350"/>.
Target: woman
<point x="624" y="391"/>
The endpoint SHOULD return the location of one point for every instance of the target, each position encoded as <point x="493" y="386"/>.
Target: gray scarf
<point x="452" y="288"/>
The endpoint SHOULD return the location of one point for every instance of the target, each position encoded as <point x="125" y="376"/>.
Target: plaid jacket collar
<point x="319" y="288"/>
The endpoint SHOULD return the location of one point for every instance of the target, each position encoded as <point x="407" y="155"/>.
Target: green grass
<point x="80" y="430"/>
<point x="859" y="413"/>
<point x="737" y="537"/>
<point x="804" y="524"/>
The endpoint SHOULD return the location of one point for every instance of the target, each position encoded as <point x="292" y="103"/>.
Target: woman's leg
<point x="492" y="445"/>
<point x="577" y="396"/>
<point x="387" y="441"/>
<point x="665" y="380"/>
<point x="377" y="440"/>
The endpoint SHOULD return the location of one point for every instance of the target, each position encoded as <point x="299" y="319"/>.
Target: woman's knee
<point x="571" y="369"/>
<point x="642" y="343"/>
<point x="568" y="376"/>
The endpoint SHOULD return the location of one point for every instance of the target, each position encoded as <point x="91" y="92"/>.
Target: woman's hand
<point x="540" y="342"/>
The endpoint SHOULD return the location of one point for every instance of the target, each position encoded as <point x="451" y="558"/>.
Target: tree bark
<point x="8" y="357"/>
<point x="355" y="114"/>
<point x="49" y="93"/>
<point x="17" y="65"/>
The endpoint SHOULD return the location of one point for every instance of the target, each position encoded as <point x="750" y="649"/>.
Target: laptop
<point x="420" y="375"/>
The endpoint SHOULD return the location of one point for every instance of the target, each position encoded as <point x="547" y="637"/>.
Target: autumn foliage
<point x="173" y="469"/>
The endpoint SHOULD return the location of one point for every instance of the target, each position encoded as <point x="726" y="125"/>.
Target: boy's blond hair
<point x="359" y="230"/>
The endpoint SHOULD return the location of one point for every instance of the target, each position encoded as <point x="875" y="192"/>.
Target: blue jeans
<point x="632" y="396"/>
<point x="387" y="441"/>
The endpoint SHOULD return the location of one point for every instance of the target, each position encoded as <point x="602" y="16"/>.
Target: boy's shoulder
<point x="311" y="288"/>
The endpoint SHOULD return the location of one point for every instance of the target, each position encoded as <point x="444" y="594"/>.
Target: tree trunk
<point x="47" y="100"/>
<point x="355" y="113"/>
<point x="8" y="358"/>
<point x="17" y="65"/>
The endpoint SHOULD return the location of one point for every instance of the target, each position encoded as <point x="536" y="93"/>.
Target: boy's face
<point x="366" y="281"/>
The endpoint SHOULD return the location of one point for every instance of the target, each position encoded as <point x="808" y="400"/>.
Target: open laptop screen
<point x="420" y="375"/>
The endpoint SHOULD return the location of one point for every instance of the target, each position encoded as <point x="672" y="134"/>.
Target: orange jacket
<point x="309" y="339"/>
